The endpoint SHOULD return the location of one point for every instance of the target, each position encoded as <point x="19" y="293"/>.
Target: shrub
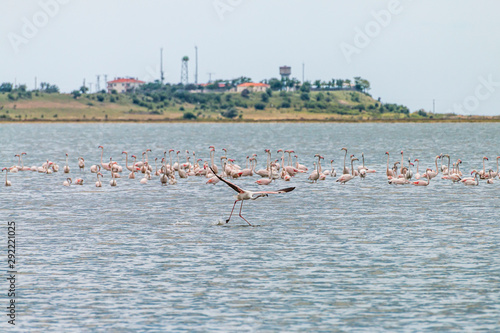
<point x="188" y="115"/>
<point x="260" y="106"/>
<point x="100" y="98"/>
<point x="230" y="113"/>
<point x="305" y="96"/>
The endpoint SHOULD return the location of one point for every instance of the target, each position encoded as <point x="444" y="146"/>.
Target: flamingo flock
<point x="174" y="165"/>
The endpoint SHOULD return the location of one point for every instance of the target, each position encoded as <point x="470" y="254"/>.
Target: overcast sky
<point x="412" y="52"/>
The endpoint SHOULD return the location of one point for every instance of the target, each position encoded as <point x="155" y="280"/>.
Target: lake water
<point x="363" y="257"/>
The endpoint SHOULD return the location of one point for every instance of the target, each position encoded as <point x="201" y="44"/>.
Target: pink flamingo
<point x="7" y="182"/>
<point x="347" y="177"/>
<point x="249" y="195"/>
<point x="423" y="182"/>
<point x="66" y="166"/>
<point x="106" y="166"/>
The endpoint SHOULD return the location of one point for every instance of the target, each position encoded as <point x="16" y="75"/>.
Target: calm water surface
<point x="362" y="257"/>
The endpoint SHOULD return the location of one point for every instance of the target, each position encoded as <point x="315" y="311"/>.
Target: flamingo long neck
<point x="402" y="167"/>
<point x="126" y="161"/>
<point x="387" y="162"/>
<point x="319" y="165"/>
<point x="449" y="165"/>
<point x="484" y="167"/>
<point x="418" y="162"/>
<point x="345" y="156"/>
<point x="352" y="166"/>
<point x="437" y="170"/>
<point x="102" y="153"/>
<point x="363" y="157"/>
<point x="66" y="160"/>
<point x="268" y="164"/>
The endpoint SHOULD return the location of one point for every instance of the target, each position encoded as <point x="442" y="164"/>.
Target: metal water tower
<point x="285" y="72"/>
<point x="184" y="71"/>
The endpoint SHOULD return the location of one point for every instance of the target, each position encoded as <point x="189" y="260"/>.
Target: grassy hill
<point x="180" y="105"/>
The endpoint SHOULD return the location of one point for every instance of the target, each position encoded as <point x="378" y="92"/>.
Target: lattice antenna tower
<point x="184" y="70"/>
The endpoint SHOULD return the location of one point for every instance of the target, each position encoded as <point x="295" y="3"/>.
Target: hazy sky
<point x="411" y="51"/>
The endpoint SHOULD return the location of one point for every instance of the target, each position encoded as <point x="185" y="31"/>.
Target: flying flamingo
<point x="7" y="182"/>
<point x="249" y="195"/>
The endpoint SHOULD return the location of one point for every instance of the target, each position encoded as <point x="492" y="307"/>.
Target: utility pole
<point x="196" y="69"/>
<point x="161" y="66"/>
<point x="210" y="77"/>
<point x="36" y="84"/>
<point x="98" y="86"/>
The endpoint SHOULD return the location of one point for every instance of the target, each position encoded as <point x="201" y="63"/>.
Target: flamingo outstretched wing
<point x="284" y="190"/>
<point x="231" y="185"/>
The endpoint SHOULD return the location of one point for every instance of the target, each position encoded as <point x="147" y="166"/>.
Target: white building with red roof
<point x="123" y="85"/>
<point x="252" y="87"/>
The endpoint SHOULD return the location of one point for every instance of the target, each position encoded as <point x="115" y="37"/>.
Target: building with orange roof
<point x="252" y="87"/>
<point x="123" y="85"/>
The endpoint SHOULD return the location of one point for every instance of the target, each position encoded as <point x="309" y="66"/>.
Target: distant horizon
<point x="413" y="53"/>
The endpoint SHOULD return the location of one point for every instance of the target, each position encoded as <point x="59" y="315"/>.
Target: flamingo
<point x="163" y="176"/>
<point x="67" y="182"/>
<point x="79" y="181"/>
<point x="112" y="182"/>
<point x="66" y="166"/>
<point x="81" y="164"/>
<point x="129" y="168"/>
<point x="423" y="182"/>
<point x="266" y="181"/>
<point x="23" y="168"/>
<point x="7" y="182"/>
<point x="347" y="177"/>
<point x="474" y="182"/>
<point x="106" y="166"/>
<point x="98" y="183"/>
<point x="390" y="173"/>
<point x="249" y="195"/>
<point x="490" y="179"/>
<point x="417" y="175"/>
<point x="482" y="173"/>
<point x="430" y="173"/>
<point x="345" y="171"/>
<point x="299" y="166"/>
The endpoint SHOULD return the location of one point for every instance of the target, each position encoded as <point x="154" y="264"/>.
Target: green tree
<point x="76" y="94"/>
<point x="305" y="87"/>
<point x="188" y="115"/>
<point x="275" y="84"/>
<point x="361" y="84"/>
<point x="230" y="113"/>
<point x="305" y="96"/>
<point x="6" y="87"/>
<point x="265" y="97"/>
<point x="317" y="83"/>
<point x="84" y="89"/>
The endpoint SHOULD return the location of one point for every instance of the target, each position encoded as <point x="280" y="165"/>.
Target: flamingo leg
<point x="241" y="207"/>
<point x="231" y="212"/>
